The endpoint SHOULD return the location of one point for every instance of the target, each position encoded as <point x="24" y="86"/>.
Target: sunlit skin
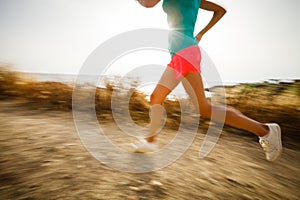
<point x="193" y="84"/>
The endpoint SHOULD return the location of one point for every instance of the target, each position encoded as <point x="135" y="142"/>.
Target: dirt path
<point x="42" y="157"/>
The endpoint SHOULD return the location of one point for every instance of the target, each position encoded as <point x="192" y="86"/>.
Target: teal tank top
<point x="181" y="16"/>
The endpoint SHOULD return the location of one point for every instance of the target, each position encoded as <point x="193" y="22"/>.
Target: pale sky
<point x="256" y="40"/>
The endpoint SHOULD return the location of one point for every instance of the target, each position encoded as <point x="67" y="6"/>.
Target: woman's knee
<point x="159" y="94"/>
<point x="155" y="98"/>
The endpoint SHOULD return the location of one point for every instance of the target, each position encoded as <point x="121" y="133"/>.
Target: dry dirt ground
<point x="42" y="157"/>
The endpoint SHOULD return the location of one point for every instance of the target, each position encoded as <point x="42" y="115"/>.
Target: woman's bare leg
<point x="193" y="85"/>
<point x="166" y="84"/>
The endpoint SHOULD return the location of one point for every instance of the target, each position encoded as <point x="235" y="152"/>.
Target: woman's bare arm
<point x="148" y="3"/>
<point x="219" y="12"/>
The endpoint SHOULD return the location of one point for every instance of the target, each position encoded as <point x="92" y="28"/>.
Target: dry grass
<point x="58" y="96"/>
<point x="265" y="102"/>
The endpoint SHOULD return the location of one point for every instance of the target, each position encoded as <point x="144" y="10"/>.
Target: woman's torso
<point x="182" y="16"/>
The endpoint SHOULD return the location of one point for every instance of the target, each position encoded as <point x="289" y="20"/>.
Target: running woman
<point x="185" y="68"/>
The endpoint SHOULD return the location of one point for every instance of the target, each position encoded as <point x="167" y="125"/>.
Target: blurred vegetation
<point x="266" y="102"/>
<point x="58" y="96"/>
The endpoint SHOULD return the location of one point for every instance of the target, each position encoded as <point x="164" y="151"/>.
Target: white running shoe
<point x="144" y="146"/>
<point x="272" y="142"/>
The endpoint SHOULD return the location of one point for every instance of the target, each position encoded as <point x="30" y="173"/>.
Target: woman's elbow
<point x="222" y="11"/>
<point x="148" y="3"/>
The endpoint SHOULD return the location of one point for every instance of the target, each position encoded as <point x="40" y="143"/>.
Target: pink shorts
<point x="186" y="60"/>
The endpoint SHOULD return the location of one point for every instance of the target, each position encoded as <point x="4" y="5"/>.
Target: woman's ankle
<point x="150" y="139"/>
<point x="265" y="132"/>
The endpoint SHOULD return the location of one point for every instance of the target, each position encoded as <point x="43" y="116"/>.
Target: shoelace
<point x="266" y="145"/>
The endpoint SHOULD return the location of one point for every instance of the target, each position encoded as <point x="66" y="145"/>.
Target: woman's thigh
<point x="166" y="84"/>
